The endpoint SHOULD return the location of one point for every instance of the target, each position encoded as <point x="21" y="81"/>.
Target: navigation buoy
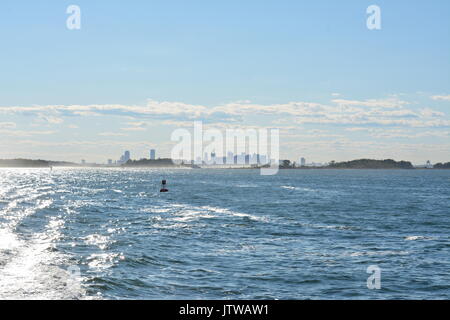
<point x="163" y="186"/>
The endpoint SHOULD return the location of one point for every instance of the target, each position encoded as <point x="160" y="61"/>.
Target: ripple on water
<point x="246" y="236"/>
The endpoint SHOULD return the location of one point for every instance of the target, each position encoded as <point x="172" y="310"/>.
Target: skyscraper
<point x="124" y="158"/>
<point x="152" y="154"/>
<point x="302" y="162"/>
<point x="230" y="158"/>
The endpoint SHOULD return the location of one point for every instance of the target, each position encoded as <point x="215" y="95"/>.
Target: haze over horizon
<point x="132" y="75"/>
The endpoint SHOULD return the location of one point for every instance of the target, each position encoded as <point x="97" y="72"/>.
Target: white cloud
<point x="140" y="124"/>
<point x="400" y="133"/>
<point x="373" y="103"/>
<point x="444" y="98"/>
<point x="49" y="119"/>
<point x="21" y="133"/>
<point x="427" y="112"/>
<point x="134" y="129"/>
<point x="386" y="112"/>
<point x="112" y="134"/>
<point x="7" y="125"/>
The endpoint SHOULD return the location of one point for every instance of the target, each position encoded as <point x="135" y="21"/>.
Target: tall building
<point x="302" y="162"/>
<point x="241" y="158"/>
<point x="152" y="154"/>
<point x="255" y="159"/>
<point x="263" y="159"/>
<point x="230" y="158"/>
<point x="125" y="157"/>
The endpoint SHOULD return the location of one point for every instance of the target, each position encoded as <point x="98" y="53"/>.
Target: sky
<point x="136" y="71"/>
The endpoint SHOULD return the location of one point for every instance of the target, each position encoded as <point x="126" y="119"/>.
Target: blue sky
<point x="337" y="90"/>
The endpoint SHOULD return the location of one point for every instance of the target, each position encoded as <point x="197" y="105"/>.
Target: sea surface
<point x="223" y="234"/>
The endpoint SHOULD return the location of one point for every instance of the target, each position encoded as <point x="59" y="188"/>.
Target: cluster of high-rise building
<point x="211" y="159"/>
<point x="302" y="163"/>
<point x="232" y="159"/>
<point x="124" y="158"/>
<point x="127" y="156"/>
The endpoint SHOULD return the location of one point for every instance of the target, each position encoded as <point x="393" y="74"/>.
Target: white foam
<point x="29" y="266"/>
<point x="224" y="211"/>
<point x="31" y="273"/>
<point x="413" y="238"/>
<point x="102" y="242"/>
<point x="181" y="213"/>
<point x="299" y="189"/>
<point x="379" y="253"/>
<point x="102" y="261"/>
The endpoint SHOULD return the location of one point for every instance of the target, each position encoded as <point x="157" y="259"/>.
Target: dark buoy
<point x="163" y="186"/>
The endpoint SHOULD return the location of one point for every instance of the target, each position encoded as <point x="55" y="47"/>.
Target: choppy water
<point x="223" y="234"/>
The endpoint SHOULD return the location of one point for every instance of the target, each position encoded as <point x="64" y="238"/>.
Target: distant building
<point x="241" y="158"/>
<point x="263" y="159"/>
<point x="254" y="159"/>
<point x="124" y="159"/>
<point x="152" y="154"/>
<point x="83" y="162"/>
<point x="110" y="162"/>
<point x="230" y="158"/>
<point x="302" y="162"/>
<point x="429" y="165"/>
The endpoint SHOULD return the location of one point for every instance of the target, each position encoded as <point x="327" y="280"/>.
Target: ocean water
<point x="223" y="234"/>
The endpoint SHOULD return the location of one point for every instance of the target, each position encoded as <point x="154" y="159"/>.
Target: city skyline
<point x="230" y="158"/>
<point x="132" y="75"/>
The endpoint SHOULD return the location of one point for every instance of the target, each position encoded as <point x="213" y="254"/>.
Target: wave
<point x="32" y="272"/>
<point x="299" y="189"/>
<point x="379" y="253"/>
<point x="187" y="213"/>
<point x="102" y="242"/>
<point x="228" y="212"/>
<point x="30" y="264"/>
<point x="414" y="238"/>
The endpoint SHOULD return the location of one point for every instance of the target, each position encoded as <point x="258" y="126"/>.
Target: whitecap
<point x="32" y="271"/>
<point x="379" y="253"/>
<point x="299" y="189"/>
<point x="228" y="212"/>
<point x="98" y="240"/>
<point x="413" y="238"/>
